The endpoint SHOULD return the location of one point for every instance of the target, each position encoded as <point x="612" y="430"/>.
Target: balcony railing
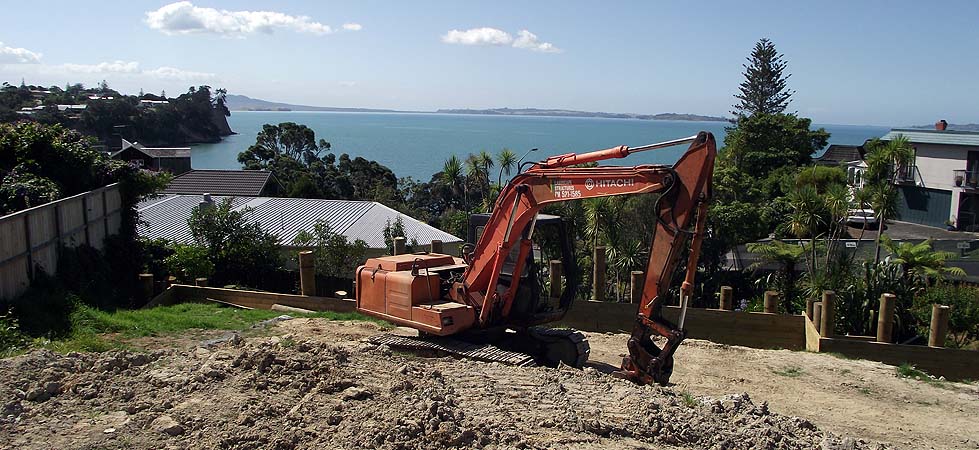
<point x="966" y="178"/>
<point x="905" y="173"/>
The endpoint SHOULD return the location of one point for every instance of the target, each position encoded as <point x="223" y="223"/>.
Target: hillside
<point x="245" y="103"/>
<point x="575" y="113"/>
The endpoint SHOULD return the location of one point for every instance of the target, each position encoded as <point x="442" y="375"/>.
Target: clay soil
<point x="312" y="383"/>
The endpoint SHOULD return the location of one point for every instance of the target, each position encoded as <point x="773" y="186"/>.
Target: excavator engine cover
<point x="400" y="289"/>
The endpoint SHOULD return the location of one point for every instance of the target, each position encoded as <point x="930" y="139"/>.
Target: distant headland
<point x="245" y="103"/>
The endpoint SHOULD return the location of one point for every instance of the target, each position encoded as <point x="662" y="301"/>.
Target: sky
<point x="867" y="62"/>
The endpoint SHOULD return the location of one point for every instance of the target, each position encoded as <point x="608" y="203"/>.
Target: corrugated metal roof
<point x="248" y="183"/>
<point x="166" y="218"/>
<point x="948" y="137"/>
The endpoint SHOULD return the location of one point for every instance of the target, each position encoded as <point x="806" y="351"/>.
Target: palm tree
<point x="475" y="173"/>
<point x="452" y="176"/>
<point x="807" y="207"/>
<point x="837" y="202"/>
<point x="885" y="161"/>
<point x="787" y="257"/>
<point x="861" y="197"/>
<point x="507" y="160"/>
<point x="919" y="260"/>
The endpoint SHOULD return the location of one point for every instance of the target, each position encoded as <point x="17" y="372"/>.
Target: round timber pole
<point x="828" y="320"/>
<point x="939" y="325"/>
<point x="307" y="273"/>
<point x="771" y="302"/>
<point x="810" y="304"/>
<point x="554" y="272"/>
<point x="146" y="282"/>
<point x="727" y="298"/>
<point x="436" y="246"/>
<point x="817" y="315"/>
<point x="885" y="318"/>
<point x="399" y="245"/>
<point x="636" y="282"/>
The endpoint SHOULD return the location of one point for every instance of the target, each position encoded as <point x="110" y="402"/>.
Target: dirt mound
<point x="291" y="392"/>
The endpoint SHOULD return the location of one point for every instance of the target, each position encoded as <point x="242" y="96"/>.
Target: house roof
<point x="175" y="152"/>
<point x="242" y="183"/>
<point x="837" y="154"/>
<point x="166" y="218"/>
<point x="924" y="136"/>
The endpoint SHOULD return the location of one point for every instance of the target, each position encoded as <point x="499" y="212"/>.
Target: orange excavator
<point x="489" y="303"/>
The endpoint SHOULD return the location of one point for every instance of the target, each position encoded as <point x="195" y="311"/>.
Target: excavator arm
<point x="679" y="215"/>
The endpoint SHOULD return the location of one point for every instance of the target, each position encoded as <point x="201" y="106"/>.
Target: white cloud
<point x="478" y="36"/>
<point x="493" y="36"/>
<point x="347" y="83"/>
<point x="172" y="73"/>
<point x="17" y="55"/>
<point x="353" y="27"/>
<point x="529" y="41"/>
<point x="104" y="67"/>
<point x="185" y="18"/>
<point x="132" y="68"/>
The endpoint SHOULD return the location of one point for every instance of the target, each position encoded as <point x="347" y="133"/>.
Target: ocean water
<point x="416" y="145"/>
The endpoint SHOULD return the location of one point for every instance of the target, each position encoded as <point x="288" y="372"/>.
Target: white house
<point x="941" y="183"/>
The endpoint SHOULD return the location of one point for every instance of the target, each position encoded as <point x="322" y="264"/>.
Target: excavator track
<point x="547" y="346"/>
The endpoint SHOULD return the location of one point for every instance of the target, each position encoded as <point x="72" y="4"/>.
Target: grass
<point x="908" y="371"/>
<point x="689" y="399"/>
<point x="91" y="326"/>
<point x="791" y="372"/>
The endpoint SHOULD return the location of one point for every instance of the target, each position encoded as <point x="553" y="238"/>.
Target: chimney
<point x="941" y="125"/>
<point x="206" y="201"/>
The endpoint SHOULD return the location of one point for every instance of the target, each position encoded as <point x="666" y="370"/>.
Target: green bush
<point x="241" y="251"/>
<point x="11" y="338"/>
<point x="963" y="323"/>
<point x="189" y="262"/>
<point x="333" y="254"/>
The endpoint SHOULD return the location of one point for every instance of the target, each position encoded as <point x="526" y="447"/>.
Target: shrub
<point x="333" y="254"/>
<point x="189" y="262"/>
<point x="963" y="323"/>
<point x="242" y="252"/>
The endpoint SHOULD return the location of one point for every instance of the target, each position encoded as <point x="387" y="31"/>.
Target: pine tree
<point x="764" y="88"/>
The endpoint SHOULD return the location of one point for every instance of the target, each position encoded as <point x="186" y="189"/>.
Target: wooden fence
<point x="29" y="239"/>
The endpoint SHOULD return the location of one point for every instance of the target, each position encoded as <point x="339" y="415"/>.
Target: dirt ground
<point x="312" y="383"/>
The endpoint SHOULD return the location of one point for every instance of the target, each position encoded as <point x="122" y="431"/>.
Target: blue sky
<point x="860" y="62"/>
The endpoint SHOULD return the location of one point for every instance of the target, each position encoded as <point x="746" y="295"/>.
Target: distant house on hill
<point x="941" y="182"/>
<point x="166" y="218"/>
<point x="175" y="160"/>
<point x="235" y="183"/>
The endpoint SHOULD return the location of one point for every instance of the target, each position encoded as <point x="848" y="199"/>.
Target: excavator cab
<point x="532" y="303"/>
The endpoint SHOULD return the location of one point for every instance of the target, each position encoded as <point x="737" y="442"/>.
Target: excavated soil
<point x="317" y="384"/>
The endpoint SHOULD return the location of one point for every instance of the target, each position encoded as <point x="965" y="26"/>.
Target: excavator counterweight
<point x="494" y="293"/>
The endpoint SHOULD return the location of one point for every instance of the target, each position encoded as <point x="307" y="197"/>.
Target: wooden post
<point x="146" y="281"/>
<point x="202" y="282"/>
<point x="809" y="307"/>
<point x="399" y="245"/>
<point x="727" y="298"/>
<point x="636" y="282"/>
<point x="307" y="273"/>
<point x="436" y="246"/>
<point x="598" y="274"/>
<point x="171" y="280"/>
<point x="771" y="302"/>
<point x="939" y="325"/>
<point x="827" y="321"/>
<point x="885" y="318"/>
<point x="554" y="271"/>
<point x="817" y="314"/>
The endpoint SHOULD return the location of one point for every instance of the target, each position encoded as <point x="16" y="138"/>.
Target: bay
<point x="417" y="144"/>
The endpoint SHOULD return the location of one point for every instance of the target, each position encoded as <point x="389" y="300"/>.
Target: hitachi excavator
<point x="489" y="303"/>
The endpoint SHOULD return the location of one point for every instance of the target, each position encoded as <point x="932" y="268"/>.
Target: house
<point x="166" y="218"/>
<point x="175" y="160"/>
<point x="237" y="183"/>
<point x="941" y="182"/>
<point x="850" y="158"/>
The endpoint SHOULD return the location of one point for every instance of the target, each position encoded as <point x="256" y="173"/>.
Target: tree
<point x="507" y="161"/>
<point x="764" y="90"/>
<point x="885" y="161"/>
<point x="762" y="143"/>
<point x="286" y="139"/>
<point x="919" y="260"/>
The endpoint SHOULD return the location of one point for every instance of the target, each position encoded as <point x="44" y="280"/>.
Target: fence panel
<point x="29" y="239"/>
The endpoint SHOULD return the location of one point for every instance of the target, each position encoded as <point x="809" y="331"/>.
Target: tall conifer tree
<point x="764" y="88"/>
